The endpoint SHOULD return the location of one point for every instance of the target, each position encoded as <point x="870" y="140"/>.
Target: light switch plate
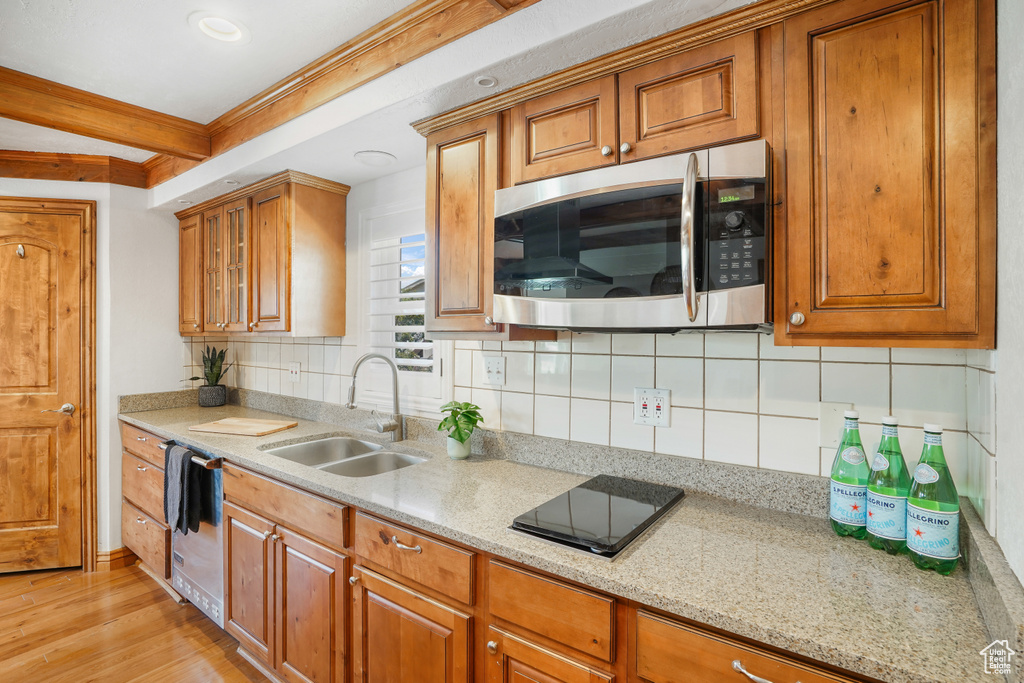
<point x="830" y="423"/>
<point x="294" y="371"/>
<point x="651" y="406"/>
<point x="494" y="370"/>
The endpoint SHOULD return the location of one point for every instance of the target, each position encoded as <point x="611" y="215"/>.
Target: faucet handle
<point x="388" y="425"/>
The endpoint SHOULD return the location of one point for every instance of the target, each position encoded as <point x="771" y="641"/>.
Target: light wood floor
<point x="66" y="626"/>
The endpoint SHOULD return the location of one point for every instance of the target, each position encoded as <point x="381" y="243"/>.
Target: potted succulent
<point x="213" y="393"/>
<point x="460" y="422"/>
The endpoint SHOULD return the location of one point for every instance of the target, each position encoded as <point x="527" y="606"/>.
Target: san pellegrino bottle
<point x="933" y="509"/>
<point x="888" y="486"/>
<point x="848" y="500"/>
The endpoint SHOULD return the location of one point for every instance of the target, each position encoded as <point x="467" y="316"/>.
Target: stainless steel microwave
<point x="675" y="243"/>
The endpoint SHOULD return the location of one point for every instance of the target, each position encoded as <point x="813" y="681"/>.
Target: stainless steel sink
<point x="324" y="451"/>
<point x="371" y="464"/>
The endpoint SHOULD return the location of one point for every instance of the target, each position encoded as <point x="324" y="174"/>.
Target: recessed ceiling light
<point x="219" y="28"/>
<point x="184" y="201"/>
<point x="486" y="81"/>
<point x="372" y="157"/>
<point x="231" y="182"/>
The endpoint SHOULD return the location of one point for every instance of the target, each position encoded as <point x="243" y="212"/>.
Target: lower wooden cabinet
<point x="517" y="660"/>
<point x="143" y="530"/>
<point x="400" y="635"/>
<point x="285" y="597"/>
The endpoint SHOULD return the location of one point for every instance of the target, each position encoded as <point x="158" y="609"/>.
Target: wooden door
<point x="400" y="635"/>
<point x="236" y="265"/>
<point x="516" y="660"/>
<point x="702" y="97"/>
<point x="271" y="249"/>
<point x="571" y="130"/>
<point x="42" y="286"/>
<point x="213" y="270"/>
<point x="311" y="584"/>
<point x="249" y="580"/>
<point x="884" y="242"/>
<point x="190" y="276"/>
<point x="462" y="175"/>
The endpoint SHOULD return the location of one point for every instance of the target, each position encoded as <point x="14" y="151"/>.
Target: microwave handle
<point x="686" y="237"/>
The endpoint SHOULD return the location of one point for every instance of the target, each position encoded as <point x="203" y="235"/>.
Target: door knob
<point x="625" y="147"/>
<point x="797" y="319"/>
<point x="67" y="409"/>
<point x="606" y="151"/>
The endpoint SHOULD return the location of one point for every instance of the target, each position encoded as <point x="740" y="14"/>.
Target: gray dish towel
<point x="182" y="489"/>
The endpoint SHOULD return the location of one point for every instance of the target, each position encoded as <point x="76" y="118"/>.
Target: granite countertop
<point x="775" y="577"/>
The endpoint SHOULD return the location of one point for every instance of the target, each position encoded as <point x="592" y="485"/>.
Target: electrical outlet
<point x="494" y="370"/>
<point x="294" y="372"/>
<point x="651" y="407"/>
<point x="830" y="423"/>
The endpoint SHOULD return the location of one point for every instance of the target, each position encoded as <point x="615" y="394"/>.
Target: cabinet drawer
<point x="142" y="444"/>
<point x="668" y="651"/>
<point x="319" y="518"/>
<point x="571" y="616"/>
<point x="147" y="538"/>
<point x="434" y="564"/>
<point x="142" y="483"/>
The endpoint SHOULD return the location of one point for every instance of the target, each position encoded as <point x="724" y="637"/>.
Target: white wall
<point x="1010" y="326"/>
<point x="136" y="313"/>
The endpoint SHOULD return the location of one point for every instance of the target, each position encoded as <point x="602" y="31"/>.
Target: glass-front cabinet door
<point x="213" y="283"/>
<point x="236" y="266"/>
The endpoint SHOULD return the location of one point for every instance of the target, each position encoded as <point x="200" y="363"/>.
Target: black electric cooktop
<point x="601" y="515"/>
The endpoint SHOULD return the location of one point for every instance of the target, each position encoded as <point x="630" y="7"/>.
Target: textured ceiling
<point x="144" y="51"/>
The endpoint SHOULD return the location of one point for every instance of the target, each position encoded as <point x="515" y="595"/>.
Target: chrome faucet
<point x="394" y="425"/>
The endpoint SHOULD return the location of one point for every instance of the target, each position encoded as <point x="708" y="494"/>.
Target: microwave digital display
<point x="736" y="194"/>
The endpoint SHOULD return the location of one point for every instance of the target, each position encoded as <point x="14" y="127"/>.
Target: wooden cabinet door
<point x="236" y="266"/>
<point x="462" y="175"/>
<point x="190" y="275"/>
<point x="213" y="270"/>
<point x="884" y="243"/>
<point x="311" y="584"/>
<point x="702" y="97"/>
<point x="248" y="580"/>
<point x="270" y="260"/>
<point x="400" y="635"/>
<point x="567" y="131"/>
<point x="516" y="660"/>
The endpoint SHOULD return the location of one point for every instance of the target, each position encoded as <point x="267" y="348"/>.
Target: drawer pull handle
<point x="275" y="538"/>
<point x="141" y="438"/>
<point x="140" y="468"/>
<point x="140" y="520"/>
<point x="737" y="665"/>
<point x="492" y="647"/>
<point x="402" y="546"/>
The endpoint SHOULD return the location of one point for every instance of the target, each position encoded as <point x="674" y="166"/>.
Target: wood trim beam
<point x="747" y="18"/>
<point x="85" y="168"/>
<point x="44" y="103"/>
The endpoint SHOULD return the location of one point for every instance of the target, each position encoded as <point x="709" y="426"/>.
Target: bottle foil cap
<point x="851" y="414"/>
<point x="890" y="420"/>
<point x="933" y="428"/>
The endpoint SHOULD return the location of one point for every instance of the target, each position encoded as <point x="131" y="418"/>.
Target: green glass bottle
<point x="888" y="486"/>
<point x="848" y="499"/>
<point x="933" y="509"/>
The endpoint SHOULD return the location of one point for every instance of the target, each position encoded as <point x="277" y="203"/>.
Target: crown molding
<point x="289" y="176"/>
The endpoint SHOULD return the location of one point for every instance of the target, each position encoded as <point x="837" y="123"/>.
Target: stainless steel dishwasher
<point x="197" y="558"/>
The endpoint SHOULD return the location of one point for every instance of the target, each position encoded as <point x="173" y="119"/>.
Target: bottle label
<point x="848" y="503"/>
<point x="932" y="439"/>
<point x="924" y="474"/>
<point x="879" y="463"/>
<point x="887" y="516"/>
<point x="853" y="455"/>
<point x="888" y="430"/>
<point x="932" y="533"/>
<point x="850" y="424"/>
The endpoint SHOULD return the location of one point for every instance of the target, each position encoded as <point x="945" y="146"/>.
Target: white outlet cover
<point x="652" y="406"/>
<point x="494" y="370"/>
<point x="830" y="423"/>
<point x="294" y="372"/>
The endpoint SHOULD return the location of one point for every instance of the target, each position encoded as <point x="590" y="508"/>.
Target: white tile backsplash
<point x="625" y="434"/>
<point x="633" y="344"/>
<point x="628" y="373"/>
<point x="981" y="409"/>
<point x="789" y="388"/>
<point x="730" y="345"/>
<point x="589" y="420"/>
<point x="788" y="444"/>
<point x="517" y="412"/>
<point x="930" y="356"/>
<point x="551" y="416"/>
<point x="731" y="438"/>
<point x="844" y="354"/>
<point x="769" y="351"/>
<point x="551" y="374"/>
<point x="682" y="344"/>
<point x="591" y="376"/>
<point x="518" y="372"/>
<point x="684" y="435"/>
<point x="930" y="393"/>
<point x="730" y="385"/>
<point x="591" y="343"/>
<point x="864" y="385"/>
<point x="684" y="377"/>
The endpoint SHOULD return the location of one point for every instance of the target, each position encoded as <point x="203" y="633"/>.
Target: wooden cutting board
<point x="244" y="426"/>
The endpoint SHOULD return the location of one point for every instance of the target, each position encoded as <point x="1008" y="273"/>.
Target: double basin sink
<point x="345" y="456"/>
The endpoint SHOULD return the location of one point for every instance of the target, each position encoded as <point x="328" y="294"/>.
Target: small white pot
<point x="457" y="450"/>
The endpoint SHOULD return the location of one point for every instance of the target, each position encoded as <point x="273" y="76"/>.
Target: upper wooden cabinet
<point x="703" y="97"/>
<point x="271" y="259"/>
<point x="570" y="130"/>
<point x="889" y="137"/>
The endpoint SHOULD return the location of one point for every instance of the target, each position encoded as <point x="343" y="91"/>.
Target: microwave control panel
<point x="736" y="233"/>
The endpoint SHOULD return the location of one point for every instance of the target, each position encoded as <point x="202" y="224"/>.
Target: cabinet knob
<point x="267" y="534"/>
<point x="488" y="320"/>
<point x="195" y="326"/>
<point x="275" y="538"/>
<point x="797" y="319"/>
<point x="606" y="151"/>
<point x="353" y="580"/>
<point x="252" y="325"/>
<point x="492" y="647"/>
<point x="625" y="148"/>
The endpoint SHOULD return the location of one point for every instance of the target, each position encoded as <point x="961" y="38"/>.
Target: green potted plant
<point x="460" y="422"/>
<point x="213" y="393"/>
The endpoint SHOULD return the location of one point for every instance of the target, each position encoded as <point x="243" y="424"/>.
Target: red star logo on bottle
<point x="855" y="507"/>
<point x="871" y="513"/>
<point x="918" y="532"/>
